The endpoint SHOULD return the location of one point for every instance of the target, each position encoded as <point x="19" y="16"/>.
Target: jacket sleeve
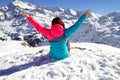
<point x="55" y="31"/>
<point x="41" y="29"/>
<point x="75" y="27"/>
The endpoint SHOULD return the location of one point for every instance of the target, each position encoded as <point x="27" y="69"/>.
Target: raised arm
<point x="55" y="31"/>
<point x="41" y="29"/>
<point x="77" y="25"/>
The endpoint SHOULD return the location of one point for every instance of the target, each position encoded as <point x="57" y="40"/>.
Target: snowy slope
<point x="96" y="62"/>
<point x="97" y="28"/>
<point x="10" y="47"/>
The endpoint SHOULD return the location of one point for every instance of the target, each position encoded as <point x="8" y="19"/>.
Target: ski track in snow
<point x="93" y="63"/>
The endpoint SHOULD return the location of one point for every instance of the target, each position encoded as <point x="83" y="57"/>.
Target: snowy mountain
<point x="95" y="62"/>
<point x="104" y="29"/>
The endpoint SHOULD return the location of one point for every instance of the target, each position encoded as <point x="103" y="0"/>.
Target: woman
<point x="57" y="35"/>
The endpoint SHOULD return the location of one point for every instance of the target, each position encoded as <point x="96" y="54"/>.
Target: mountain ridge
<point x="97" y="28"/>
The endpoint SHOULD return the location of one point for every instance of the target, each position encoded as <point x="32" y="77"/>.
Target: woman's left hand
<point x="87" y="13"/>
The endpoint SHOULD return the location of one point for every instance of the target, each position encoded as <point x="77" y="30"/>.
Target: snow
<point x="7" y="47"/>
<point x="23" y="5"/>
<point x="2" y="17"/>
<point x="95" y="62"/>
<point x="97" y="28"/>
<point x="71" y="12"/>
<point x="20" y="61"/>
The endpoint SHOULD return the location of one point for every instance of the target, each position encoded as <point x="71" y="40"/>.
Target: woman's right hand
<point x="25" y="14"/>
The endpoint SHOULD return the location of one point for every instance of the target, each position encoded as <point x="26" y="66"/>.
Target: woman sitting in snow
<point x="57" y="35"/>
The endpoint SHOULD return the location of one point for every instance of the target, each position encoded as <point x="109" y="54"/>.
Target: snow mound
<point x="95" y="29"/>
<point x="9" y="47"/>
<point x="95" y="62"/>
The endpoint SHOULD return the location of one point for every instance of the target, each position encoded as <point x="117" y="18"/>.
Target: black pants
<point x="68" y="45"/>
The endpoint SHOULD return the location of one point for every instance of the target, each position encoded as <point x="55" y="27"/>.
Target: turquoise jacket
<point x="58" y="49"/>
<point x="58" y="37"/>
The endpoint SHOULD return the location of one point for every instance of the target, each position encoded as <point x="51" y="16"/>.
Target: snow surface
<point x="104" y="29"/>
<point x="95" y="62"/>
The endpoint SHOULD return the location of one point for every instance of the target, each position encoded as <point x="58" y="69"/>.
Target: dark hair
<point x="58" y="20"/>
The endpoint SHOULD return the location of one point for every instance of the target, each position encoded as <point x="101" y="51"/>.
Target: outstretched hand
<point x="25" y="14"/>
<point x="87" y="13"/>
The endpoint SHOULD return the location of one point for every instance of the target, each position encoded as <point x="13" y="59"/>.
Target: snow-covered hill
<point x="95" y="62"/>
<point x="97" y="28"/>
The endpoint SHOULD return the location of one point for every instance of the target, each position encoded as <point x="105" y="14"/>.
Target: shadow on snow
<point x="37" y="61"/>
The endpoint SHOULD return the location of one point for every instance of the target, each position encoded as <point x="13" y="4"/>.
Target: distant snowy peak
<point x="58" y="10"/>
<point x="22" y="4"/>
<point x="114" y="16"/>
<point x="71" y="12"/>
<point x="94" y="15"/>
<point x="51" y="11"/>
